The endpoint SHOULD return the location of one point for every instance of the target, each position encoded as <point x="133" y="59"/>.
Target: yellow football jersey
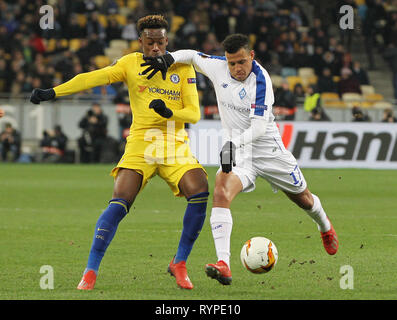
<point x="178" y="91"/>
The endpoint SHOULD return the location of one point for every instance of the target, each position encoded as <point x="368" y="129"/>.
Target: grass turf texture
<point x="48" y="214"/>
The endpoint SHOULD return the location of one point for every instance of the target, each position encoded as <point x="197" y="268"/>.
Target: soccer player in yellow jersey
<point x="156" y="143"/>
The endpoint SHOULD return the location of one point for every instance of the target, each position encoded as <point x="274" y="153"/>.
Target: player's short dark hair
<point x="152" y="22"/>
<point x="235" y="42"/>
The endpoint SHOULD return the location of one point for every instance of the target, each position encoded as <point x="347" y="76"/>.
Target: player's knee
<point x="221" y="197"/>
<point x="189" y="189"/>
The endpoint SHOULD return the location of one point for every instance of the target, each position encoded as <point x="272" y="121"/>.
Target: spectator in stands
<point x="113" y="30"/>
<point x="94" y="125"/>
<point x="4" y="84"/>
<point x="53" y="145"/>
<point x="331" y="63"/>
<point x="325" y="82"/>
<point x="368" y="31"/>
<point x="390" y="55"/>
<point x="359" y="116"/>
<point x="262" y="53"/>
<point x="301" y="58"/>
<point x="348" y="83"/>
<point x="388" y="116"/>
<point x="318" y="114"/>
<point x="10" y="143"/>
<point x="94" y="26"/>
<point x="299" y="92"/>
<point x="284" y="102"/>
<point x="74" y="30"/>
<point x="312" y="99"/>
<point x="129" y="30"/>
<point x="317" y="60"/>
<point x="2" y="113"/>
<point x="360" y="73"/>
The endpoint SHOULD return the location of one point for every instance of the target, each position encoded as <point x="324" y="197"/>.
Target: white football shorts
<point x="282" y="172"/>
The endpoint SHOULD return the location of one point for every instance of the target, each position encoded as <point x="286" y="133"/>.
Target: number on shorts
<point x="296" y="176"/>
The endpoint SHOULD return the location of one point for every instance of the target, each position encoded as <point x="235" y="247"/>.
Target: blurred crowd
<point x="280" y="31"/>
<point x="282" y="34"/>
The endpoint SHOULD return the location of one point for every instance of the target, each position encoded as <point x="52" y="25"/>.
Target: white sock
<point x="221" y="226"/>
<point x="318" y="215"/>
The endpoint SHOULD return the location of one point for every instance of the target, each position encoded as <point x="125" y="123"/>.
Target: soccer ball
<point x="259" y="255"/>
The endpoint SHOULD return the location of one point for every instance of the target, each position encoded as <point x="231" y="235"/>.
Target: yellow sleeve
<point x="191" y="106"/>
<point x="88" y="80"/>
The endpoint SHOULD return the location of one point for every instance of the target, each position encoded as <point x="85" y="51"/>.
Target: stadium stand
<point x="300" y="37"/>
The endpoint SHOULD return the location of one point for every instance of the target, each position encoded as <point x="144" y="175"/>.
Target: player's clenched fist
<point x="161" y="63"/>
<point x="228" y="156"/>
<point x="159" y="106"/>
<point x="39" y="95"/>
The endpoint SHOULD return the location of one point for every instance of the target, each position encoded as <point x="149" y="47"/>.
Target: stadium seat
<point x="329" y="96"/>
<point x="352" y="97"/>
<point x="288" y="72"/>
<point x="306" y="72"/>
<point x="307" y="81"/>
<point x="366" y="104"/>
<point x="50" y="44"/>
<point x="252" y="39"/>
<point x="374" y="97"/>
<point x="122" y="20"/>
<point x="102" y="61"/>
<point x="74" y="44"/>
<point x="293" y="80"/>
<point x="125" y="11"/>
<point x="382" y="105"/>
<point x="367" y="89"/>
<point x="118" y="44"/>
<point x="176" y="23"/>
<point x="113" y="53"/>
<point x="81" y="19"/>
<point x="276" y="80"/>
<point x="334" y="104"/>
<point x="64" y="43"/>
<point x="132" y="4"/>
<point x="135" y="46"/>
<point x="103" y="20"/>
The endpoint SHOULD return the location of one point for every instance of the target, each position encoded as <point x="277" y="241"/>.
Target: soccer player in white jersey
<point x="252" y="143"/>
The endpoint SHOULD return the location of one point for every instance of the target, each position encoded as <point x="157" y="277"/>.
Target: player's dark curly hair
<point x="235" y="42"/>
<point x="152" y="22"/>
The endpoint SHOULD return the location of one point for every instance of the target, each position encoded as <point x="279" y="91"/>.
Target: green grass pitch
<point x="48" y="214"/>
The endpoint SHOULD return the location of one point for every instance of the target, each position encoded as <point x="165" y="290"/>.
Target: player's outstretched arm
<point x="203" y="63"/>
<point x="81" y="82"/>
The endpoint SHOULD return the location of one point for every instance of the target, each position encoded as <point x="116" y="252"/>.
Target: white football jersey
<point x="239" y="101"/>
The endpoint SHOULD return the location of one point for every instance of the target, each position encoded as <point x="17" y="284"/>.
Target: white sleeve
<point x="257" y="129"/>
<point x="202" y="62"/>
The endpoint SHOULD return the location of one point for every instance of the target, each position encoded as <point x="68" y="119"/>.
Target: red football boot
<point x="178" y="270"/>
<point x="219" y="271"/>
<point x="330" y="240"/>
<point x="88" y="281"/>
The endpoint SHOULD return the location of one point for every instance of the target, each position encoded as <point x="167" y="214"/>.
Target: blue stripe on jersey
<point x="260" y="85"/>
<point x="203" y="55"/>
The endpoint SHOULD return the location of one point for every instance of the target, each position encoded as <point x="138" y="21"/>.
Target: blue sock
<point x="105" y="230"/>
<point x="192" y="224"/>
